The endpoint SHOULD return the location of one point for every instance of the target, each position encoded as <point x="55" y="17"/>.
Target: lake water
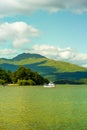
<point x="39" y="108"/>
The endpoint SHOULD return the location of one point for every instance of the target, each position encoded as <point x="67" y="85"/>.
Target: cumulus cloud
<point x="7" y="52"/>
<point x="63" y="54"/>
<point x="19" y="33"/>
<point x="85" y="65"/>
<point x="17" y="7"/>
<point x="54" y="52"/>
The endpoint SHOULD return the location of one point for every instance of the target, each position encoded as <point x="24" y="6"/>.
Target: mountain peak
<point x="27" y="55"/>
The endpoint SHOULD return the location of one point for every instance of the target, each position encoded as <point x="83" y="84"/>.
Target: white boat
<point x="49" y="85"/>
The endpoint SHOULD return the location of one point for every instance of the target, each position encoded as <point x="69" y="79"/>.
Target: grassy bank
<point x="38" y="108"/>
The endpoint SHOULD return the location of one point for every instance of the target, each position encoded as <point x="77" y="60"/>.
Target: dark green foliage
<point x="2" y="82"/>
<point x="22" y="73"/>
<point x="26" y="76"/>
<point x="4" y="76"/>
<point x="22" y="76"/>
<point x="9" y="76"/>
<point x="26" y="82"/>
<point x="38" y="79"/>
<point x="83" y="81"/>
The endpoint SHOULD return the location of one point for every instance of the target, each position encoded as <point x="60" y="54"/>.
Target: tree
<point x="4" y="75"/>
<point x="22" y="73"/>
<point x="26" y="82"/>
<point x="2" y="82"/>
<point x="83" y="80"/>
<point x="26" y="75"/>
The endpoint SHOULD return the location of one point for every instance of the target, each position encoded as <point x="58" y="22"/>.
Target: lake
<point x="39" y="108"/>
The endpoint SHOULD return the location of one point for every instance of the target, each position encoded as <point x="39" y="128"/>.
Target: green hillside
<point x="46" y="67"/>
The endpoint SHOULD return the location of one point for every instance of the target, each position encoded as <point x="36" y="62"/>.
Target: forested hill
<point x="48" y="68"/>
<point x="22" y="76"/>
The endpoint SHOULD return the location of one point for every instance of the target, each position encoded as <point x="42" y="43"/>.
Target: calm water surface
<point x="38" y="108"/>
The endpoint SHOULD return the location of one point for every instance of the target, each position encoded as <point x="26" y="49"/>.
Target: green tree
<point x="3" y="75"/>
<point x="2" y="82"/>
<point x="26" y="82"/>
<point x="26" y="74"/>
<point x="22" y="76"/>
<point x="83" y="81"/>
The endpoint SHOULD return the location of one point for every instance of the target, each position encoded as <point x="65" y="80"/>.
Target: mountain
<point x="51" y="69"/>
<point x="26" y="55"/>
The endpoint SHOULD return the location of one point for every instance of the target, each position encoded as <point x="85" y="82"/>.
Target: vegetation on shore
<point x="22" y="76"/>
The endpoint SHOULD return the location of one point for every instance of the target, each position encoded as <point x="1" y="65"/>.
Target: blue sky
<point x="54" y="28"/>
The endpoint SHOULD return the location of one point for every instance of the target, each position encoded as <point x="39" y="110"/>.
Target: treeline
<point x="22" y="76"/>
<point x="71" y="81"/>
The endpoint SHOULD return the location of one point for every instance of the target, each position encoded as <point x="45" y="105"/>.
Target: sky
<point x="56" y="29"/>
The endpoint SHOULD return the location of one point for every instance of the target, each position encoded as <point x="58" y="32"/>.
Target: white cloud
<point x="18" y="32"/>
<point x="85" y="65"/>
<point x="17" y="7"/>
<point x="19" y="42"/>
<point x="7" y="52"/>
<point x="80" y="59"/>
<point x="46" y="50"/>
<point x="54" y="52"/>
<point x="62" y="54"/>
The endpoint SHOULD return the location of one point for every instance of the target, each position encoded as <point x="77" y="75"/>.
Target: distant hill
<point x="26" y="55"/>
<point x="51" y="69"/>
<point x="7" y="66"/>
